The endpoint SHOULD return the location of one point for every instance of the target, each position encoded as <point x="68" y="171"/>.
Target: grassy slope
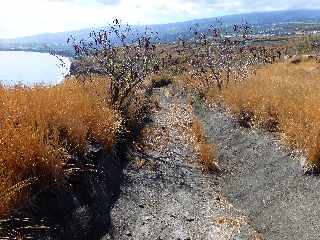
<point x="282" y="97"/>
<point x="41" y="126"/>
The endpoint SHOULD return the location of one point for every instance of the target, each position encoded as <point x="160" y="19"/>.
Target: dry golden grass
<point x="208" y="156"/>
<point x="40" y="126"/>
<point x="206" y="151"/>
<point x="282" y="97"/>
<point x="198" y="131"/>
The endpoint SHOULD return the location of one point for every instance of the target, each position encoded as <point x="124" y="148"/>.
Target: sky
<point x="28" y="17"/>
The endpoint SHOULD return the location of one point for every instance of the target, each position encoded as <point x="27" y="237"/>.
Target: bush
<point x="124" y="55"/>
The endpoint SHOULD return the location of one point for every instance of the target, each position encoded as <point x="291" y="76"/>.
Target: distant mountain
<point x="262" y="22"/>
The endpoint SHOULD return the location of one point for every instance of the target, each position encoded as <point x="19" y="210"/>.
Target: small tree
<point x="125" y="55"/>
<point x="218" y="55"/>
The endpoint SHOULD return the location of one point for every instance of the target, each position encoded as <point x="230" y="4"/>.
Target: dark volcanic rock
<point x="264" y="179"/>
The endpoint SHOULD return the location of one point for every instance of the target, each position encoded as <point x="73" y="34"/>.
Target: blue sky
<point x="28" y="17"/>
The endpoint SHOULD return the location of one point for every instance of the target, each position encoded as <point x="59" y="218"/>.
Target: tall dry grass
<point x="40" y="126"/>
<point x="207" y="151"/>
<point x="282" y="97"/>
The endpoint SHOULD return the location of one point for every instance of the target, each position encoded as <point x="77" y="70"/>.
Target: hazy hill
<point x="276" y="22"/>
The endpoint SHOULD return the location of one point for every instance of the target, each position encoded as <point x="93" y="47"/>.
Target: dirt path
<point x="165" y="194"/>
<point x="264" y="180"/>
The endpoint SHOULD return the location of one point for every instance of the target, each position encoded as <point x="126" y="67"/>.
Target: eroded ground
<point x="165" y="194"/>
<point x="264" y="179"/>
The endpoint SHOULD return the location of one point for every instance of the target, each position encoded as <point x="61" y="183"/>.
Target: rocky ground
<point x="261" y="191"/>
<point x="264" y="179"/>
<point x="164" y="192"/>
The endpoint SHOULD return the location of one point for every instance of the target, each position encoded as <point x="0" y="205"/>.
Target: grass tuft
<point x="207" y="152"/>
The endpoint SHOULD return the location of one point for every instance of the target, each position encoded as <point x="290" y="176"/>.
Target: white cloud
<point x="27" y="17"/>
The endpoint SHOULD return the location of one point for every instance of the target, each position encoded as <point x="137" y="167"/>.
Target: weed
<point x="207" y="152"/>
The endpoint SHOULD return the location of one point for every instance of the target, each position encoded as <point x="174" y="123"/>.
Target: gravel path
<point x="165" y="194"/>
<point x="264" y="180"/>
